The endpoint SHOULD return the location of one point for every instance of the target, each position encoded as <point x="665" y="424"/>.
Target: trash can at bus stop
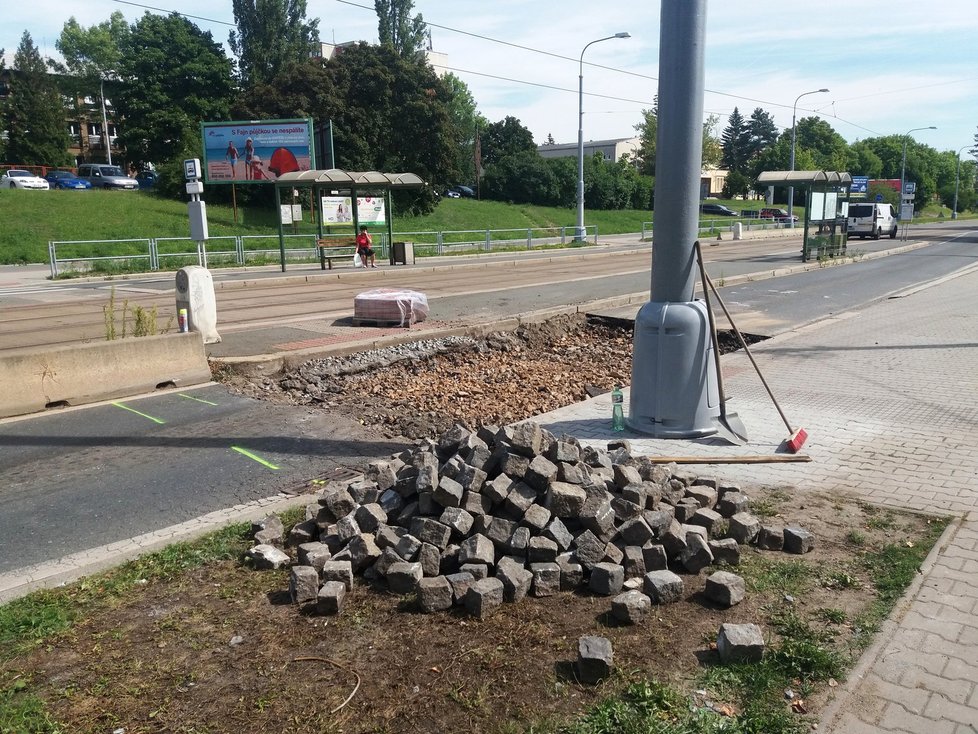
<point x="402" y="253"/>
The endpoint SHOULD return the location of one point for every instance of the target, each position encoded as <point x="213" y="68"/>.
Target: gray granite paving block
<point x="595" y="457"/>
<point x="565" y="500"/>
<point x="635" y="532"/>
<point x="542" y="550"/>
<point x="637" y="494"/>
<point x="341" y="571"/>
<point x="713" y="521"/>
<point x="519" y="541"/>
<point x="673" y="539"/>
<point x="430" y="559"/>
<point x="659" y="519"/>
<point x="624" y="475"/>
<point x="520" y="498"/>
<point x="663" y="587"/>
<point x="370" y="517"/>
<point x="536" y="518"/>
<point x="771" y="537"/>
<point x="595" y="659"/>
<point x="514" y="464"/>
<point x="391" y="503"/>
<point x="477" y="549"/>
<point x="744" y="528"/>
<point x="364" y="492"/>
<point x="562" y="451"/>
<point x="526" y="438"/>
<point x="313" y="554"/>
<point x="340" y="503"/>
<point x="634" y="562"/>
<point x="500" y="530"/>
<point x="606" y="579"/>
<point x="572" y="473"/>
<point x="347" y="528"/>
<point x="403" y="578"/>
<point x="625" y="510"/>
<point x="303" y="532"/>
<point x="408" y="546"/>
<point x="697" y="555"/>
<point x="685" y="509"/>
<point x="613" y="554"/>
<point x="472" y="478"/>
<point x="476" y="503"/>
<point x="597" y="515"/>
<point x="427" y="479"/>
<point x="673" y="491"/>
<point x="738" y="643"/>
<point x="798" y="540"/>
<point x="498" y="489"/>
<point x="725" y="551"/>
<point x="388" y="557"/>
<point x="460" y="583"/>
<point x="546" y="578"/>
<point x="479" y="458"/>
<point x="331" y="597"/>
<point x="435" y="594"/>
<point x="571" y="572"/>
<point x="303" y="584"/>
<point x="516" y="580"/>
<point x="483" y="596"/>
<point x="558" y="533"/>
<point x="448" y="442"/>
<point x="431" y="531"/>
<point x="588" y="549"/>
<point x="704" y="495"/>
<point x="732" y="502"/>
<point x="540" y="473"/>
<point x="654" y="555"/>
<point x="476" y="570"/>
<point x="409" y="512"/>
<point x="631" y="607"/>
<point x="451" y="467"/>
<point x="383" y="474"/>
<point x="458" y="520"/>
<point x="363" y="551"/>
<point x="448" y="493"/>
<point x="265" y="557"/>
<point x="449" y="559"/>
<point x="725" y="588"/>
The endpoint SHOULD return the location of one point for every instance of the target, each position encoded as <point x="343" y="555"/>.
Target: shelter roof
<point x="795" y="178"/>
<point x="351" y="179"/>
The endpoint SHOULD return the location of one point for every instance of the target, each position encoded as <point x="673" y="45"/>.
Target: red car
<point x="778" y="215"/>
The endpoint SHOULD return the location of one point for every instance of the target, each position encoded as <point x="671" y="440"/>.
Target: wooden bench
<point x="328" y="247"/>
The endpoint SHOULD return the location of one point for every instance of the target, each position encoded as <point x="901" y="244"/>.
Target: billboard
<point x="339" y="209"/>
<point x="258" y="151"/>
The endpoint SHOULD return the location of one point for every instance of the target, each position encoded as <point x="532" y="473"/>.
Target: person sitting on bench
<point x="364" y="249"/>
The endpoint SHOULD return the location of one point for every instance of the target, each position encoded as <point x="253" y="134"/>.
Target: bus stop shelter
<point x="335" y="182"/>
<point x="826" y="208"/>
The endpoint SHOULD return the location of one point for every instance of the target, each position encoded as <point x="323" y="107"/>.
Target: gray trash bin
<point x="402" y="253"/>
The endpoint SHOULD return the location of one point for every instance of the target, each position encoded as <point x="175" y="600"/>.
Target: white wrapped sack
<point x="391" y="304"/>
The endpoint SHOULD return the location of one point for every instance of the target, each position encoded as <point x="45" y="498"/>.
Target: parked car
<point x="778" y="215"/>
<point x="15" y="178"/>
<point x="147" y="179"/>
<point x="717" y="209"/>
<point x="453" y="194"/>
<point x="104" y="176"/>
<point x="464" y="191"/>
<point x="66" y="180"/>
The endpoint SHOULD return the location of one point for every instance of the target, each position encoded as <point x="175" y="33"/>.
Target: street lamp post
<point x="903" y="164"/>
<point x="791" y="189"/>
<point x="580" y="233"/>
<point x="957" y="177"/>
<point x="105" y="123"/>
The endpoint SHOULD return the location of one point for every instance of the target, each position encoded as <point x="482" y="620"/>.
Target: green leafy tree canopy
<point x="270" y="35"/>
<point x="396" y="28"/>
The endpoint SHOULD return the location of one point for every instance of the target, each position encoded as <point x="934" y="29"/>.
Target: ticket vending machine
<point x="196" y="303"/>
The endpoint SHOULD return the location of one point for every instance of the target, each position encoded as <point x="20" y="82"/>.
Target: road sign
<point x="909" y="187"/>
<point x="879" y="197"/>
<point x="860" y="185"/>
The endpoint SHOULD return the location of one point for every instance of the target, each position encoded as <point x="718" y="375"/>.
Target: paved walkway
<point x="887" y="395"/>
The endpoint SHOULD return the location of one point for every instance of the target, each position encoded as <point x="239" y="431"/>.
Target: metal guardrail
<point x="713" y="226"/>
<point x="169" y="253"/>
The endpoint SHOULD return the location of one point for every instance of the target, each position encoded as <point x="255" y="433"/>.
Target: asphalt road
<point x="86" y="477"/>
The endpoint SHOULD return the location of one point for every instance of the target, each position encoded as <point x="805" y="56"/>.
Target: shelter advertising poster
<point x="339" y="210"/>
<point x="257" y="151"/>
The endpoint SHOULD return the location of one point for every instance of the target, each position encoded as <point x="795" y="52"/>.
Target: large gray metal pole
<point x="674" y="392"/>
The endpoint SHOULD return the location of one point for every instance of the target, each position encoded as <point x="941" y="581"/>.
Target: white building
<point x="610" y="150"/>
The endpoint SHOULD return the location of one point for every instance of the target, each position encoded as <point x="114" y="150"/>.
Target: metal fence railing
<point x="713" y="226"/>
<point x="170" y="253"/>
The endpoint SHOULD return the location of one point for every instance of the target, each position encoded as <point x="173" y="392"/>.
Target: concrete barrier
<point x="35" y="379"/>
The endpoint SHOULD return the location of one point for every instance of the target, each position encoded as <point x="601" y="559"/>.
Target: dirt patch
<point x="221" y="649"/>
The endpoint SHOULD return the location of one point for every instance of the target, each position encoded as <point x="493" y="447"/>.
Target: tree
<point x="270" y="35"/>
<point x="172" y="77"/>
<point x="863" y="160"/>
<point x="396" y="28"/>
<point x="712" y="151"/>
<point x="647" y="130"/>
<point x="466" y="121"/>
<point x="92" y="59"/>
<point x="507" y="137"/>
<point x="550" y="140"/>
<point x="829" y="149"/>
<point x="735" y="143"/>
<point x="35" y="114"/>
<point x="3" y="103"/>
<point x="762" y="132"/>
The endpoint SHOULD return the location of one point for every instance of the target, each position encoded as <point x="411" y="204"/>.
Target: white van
<point x="872" y="220"/>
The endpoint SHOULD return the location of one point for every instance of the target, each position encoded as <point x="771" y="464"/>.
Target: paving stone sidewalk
<point x="887" y="395"/>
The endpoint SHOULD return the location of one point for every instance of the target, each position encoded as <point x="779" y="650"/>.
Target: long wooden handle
<point x="772" y="459"/>
<point x="713" y="329"/>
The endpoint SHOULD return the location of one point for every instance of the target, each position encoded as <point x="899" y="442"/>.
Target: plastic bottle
<point x="182" y="321"/>
<point x="617" y="409"/>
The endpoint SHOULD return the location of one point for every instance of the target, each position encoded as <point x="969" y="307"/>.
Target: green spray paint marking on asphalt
<point x="133" y="410"/>
<point x="255" y="458"/>
<point x="199" y="400"/>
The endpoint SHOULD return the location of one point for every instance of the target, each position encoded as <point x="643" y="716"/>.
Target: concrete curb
<point x="840" y="703"/>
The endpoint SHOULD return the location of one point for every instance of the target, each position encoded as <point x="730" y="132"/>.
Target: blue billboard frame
<point x="256" y="151"/>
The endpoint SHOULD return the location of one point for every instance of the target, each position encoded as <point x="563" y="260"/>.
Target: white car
<point x="16" y="178"/>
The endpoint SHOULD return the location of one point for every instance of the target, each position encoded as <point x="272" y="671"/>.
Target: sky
<point x="889" y="67"/>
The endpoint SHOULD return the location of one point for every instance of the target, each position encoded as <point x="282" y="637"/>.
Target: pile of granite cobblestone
<point x="481" y="518"/>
